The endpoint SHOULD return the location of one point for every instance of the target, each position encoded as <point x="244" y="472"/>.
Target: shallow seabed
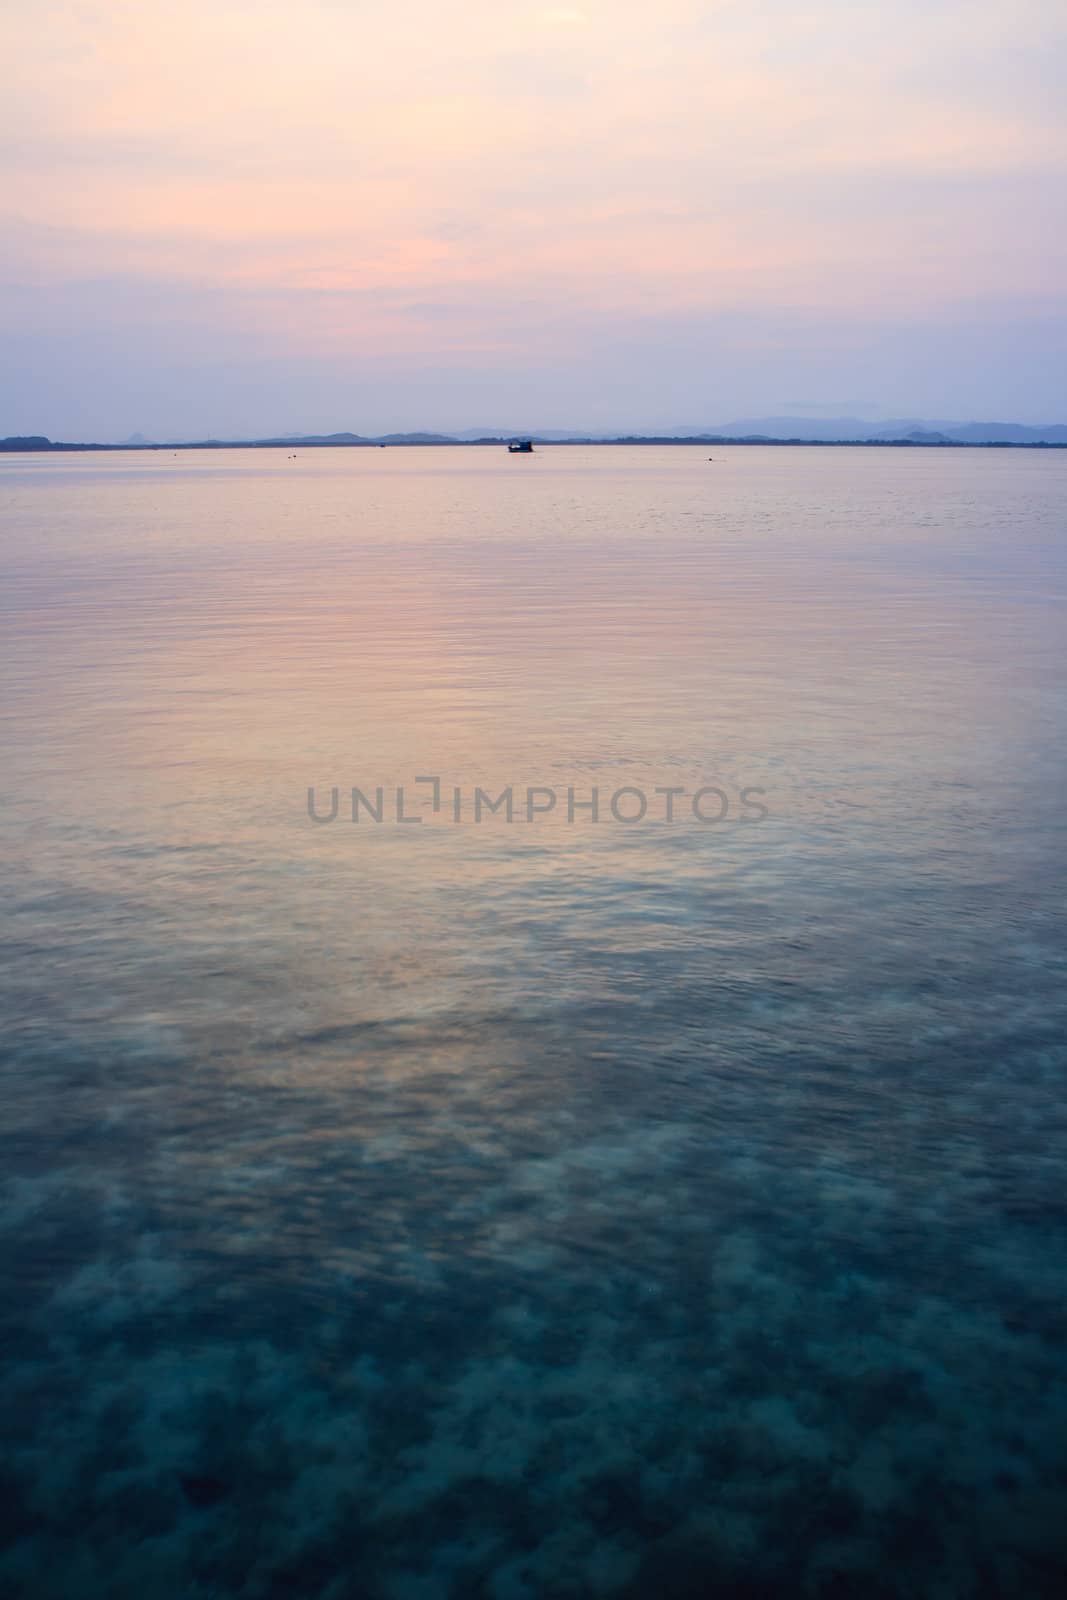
<point x="539" y="1209"/>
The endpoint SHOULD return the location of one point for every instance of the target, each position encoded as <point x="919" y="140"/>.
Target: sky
<point x="226" y="218"/>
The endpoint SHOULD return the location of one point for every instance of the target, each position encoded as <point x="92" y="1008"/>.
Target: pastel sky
<point x="245" y="216"/>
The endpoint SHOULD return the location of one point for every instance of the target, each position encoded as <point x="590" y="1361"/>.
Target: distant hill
<point x="548" y="435"/>
<point x="1008" y="433"/>
<point x="835" y="429"/>
<point x="312" y="438"/>
<point x="416" y="438"/>
<point x="823" y="429"/>
<point x="756" y="430"/>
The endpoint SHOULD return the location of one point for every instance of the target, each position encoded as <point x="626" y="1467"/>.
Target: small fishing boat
<point x="520" y="447"/>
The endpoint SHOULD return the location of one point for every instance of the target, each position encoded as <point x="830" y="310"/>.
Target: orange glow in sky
<point x="426" y="209"/>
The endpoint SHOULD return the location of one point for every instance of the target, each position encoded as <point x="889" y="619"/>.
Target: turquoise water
<point x="537" y="1208"/>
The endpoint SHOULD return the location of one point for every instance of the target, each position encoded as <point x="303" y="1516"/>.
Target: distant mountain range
<point x="750" y="430"/>
<point x="833" y="429"/>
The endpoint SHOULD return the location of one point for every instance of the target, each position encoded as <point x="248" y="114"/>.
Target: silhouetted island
<point x="972" y="435"/>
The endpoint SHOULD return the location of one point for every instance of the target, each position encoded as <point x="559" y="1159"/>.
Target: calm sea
<point x="671" y="1202"/>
